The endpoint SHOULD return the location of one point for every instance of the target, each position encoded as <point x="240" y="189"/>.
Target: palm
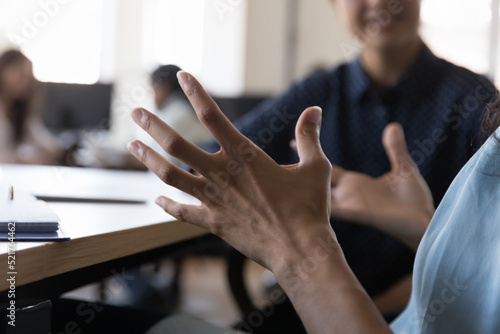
<point x="373" y="201"/>
<point x="397" y="202"/>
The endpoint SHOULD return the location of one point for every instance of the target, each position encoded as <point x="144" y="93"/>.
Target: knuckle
<point x="322" y="162"/>
<point x="168" y="176"/>
<point x="147" y="123"/>
<point x="173" y="144"/>
<point x="208" y="116"/>
<point x="325" y="162"/>
<point x="327" y="165"/>
<point x="216" y="228"/>
<point x="144" y="154"/>
<point x="180" y="213"/>
<point x="191" y="92"/>
<point x="327" y="168"/>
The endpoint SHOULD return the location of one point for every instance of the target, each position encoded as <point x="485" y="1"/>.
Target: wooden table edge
<point x="55" y="258"/>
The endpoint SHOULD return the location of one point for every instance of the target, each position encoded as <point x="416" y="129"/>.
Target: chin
<point x="390" y="42"/>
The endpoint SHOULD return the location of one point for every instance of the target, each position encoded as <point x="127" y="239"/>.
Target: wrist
<point x="298" y="262"/>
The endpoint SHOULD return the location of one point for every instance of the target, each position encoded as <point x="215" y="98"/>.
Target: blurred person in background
<point x="174" y="109"/>
<point x="24" y="138"/>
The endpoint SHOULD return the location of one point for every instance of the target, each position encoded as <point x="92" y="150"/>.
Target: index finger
<point x="209" y="113"/>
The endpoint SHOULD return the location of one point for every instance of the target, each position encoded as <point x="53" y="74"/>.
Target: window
<point x="61" y="37"/>
<point x="461" y="32"/>
<point x="174" y="33"/>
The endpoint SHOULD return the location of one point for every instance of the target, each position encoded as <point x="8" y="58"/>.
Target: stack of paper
<point x="28" y="215"/>
<point x="25" y="218"/>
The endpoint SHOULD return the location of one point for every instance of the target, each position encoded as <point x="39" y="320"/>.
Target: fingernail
<point x="314" y="115"/>
<point x="183" y="78"/>
<point x="137" y="115"/>
<point x="134" y="148"/>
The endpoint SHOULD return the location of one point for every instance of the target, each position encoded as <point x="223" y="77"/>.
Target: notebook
<point x="27" y="218"/>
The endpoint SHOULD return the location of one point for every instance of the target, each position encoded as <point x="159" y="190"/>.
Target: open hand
<point x="398" y="203"/>
<point x="256" y="205"/>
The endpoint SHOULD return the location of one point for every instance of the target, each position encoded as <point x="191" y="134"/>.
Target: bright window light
<point x="171" y="38"/>
<point x="62" y="38"/>
<point x="459" y="31"/>
<point x="446" y="13"/>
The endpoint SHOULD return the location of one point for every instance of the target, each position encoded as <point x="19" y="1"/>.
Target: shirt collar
<point x="358" y="80"/>
<point x="416" y="79"/>
<point x="420" y="78"/>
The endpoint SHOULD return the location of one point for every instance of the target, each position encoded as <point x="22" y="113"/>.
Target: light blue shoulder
<point x="488" y="161"/>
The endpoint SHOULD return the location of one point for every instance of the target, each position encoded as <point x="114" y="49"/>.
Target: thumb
<point x="307" y="135"/>
<point x="395" y="147"/>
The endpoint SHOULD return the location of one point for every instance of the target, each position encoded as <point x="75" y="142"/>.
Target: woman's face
<point x="18" y="81"/>
<point x="382" y="24"/>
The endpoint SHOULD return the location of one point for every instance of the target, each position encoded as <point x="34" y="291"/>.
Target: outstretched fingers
<point x="209" y="113"/>
<point x="166" y="171"/>
<point x="193" y="214"/>
<point x="172" y="142"/>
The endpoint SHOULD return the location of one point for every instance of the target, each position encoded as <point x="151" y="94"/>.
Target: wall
<point x="224" y="47"/>
<point x="314" y="35"/>
<point x="131" y="83"/>
<point x="321" y="33"/>
<point x="265" y="47"/>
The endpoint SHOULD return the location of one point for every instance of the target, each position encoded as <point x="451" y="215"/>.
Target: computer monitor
<point x="76" y="107"/>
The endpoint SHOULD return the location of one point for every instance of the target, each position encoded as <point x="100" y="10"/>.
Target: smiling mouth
<point x="385" y="25"/>
<point x="383" y="18"/>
